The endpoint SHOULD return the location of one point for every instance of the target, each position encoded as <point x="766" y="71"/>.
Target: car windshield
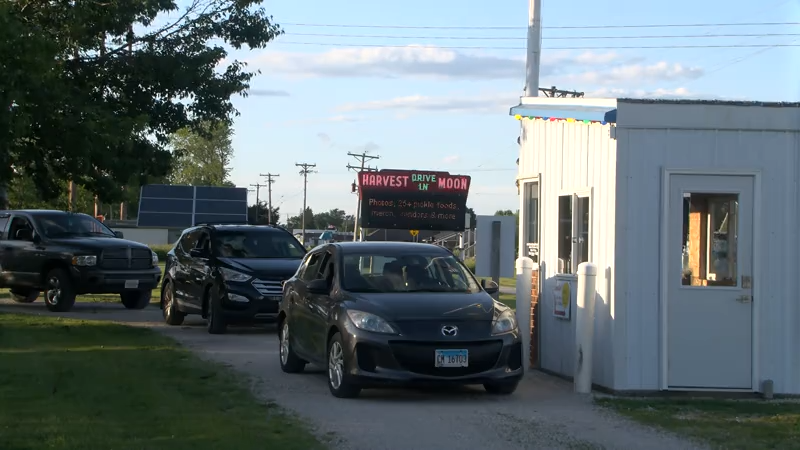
<point x="389" y="273"/>
<point x="56" y="226"/>
<point x="256" y="244"/>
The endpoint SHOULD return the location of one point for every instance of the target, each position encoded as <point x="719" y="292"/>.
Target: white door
<point x="709" y="290"/>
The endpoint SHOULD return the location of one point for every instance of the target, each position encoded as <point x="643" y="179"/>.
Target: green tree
<point x="92" y="91"/>
<point x="202" y="159"/>
<point x="262" y="214"/>
<point x="296" y="222"/>
<point x="335" y="217"/>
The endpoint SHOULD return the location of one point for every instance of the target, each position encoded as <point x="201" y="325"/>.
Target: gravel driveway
<point x="543" y="414"/>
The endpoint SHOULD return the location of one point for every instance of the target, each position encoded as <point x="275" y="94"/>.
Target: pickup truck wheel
<point x="136" y="299"/>
<point x="59" y="294"/>
<point x="24" y="295"/>
<point x="169" y="307"/>
<point x="214" y="320"/>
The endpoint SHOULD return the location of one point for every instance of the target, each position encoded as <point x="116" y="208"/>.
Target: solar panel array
<point x="170" y="206"/>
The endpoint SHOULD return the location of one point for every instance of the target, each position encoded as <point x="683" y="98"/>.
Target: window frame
<point x="534" y="183"/>
<point x="575" y="248"/>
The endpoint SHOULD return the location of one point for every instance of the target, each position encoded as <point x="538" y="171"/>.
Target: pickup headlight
<point x="84" y="261"/>
<point x="370" y="322"/>
<point x="232" y="275"/>
<point x="506" y="322"/>
<point x="155" y="258"/>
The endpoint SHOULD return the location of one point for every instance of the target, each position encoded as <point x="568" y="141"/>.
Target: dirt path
<point x="543" y="414"/>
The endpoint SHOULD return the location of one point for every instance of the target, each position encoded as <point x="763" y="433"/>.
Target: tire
<point x="169" y="307"/>
<point x="24" y="295"/>
<point x="136" y="299"/>
<point x="290" y="362"/>
<point x="59" y="293"/>
<point x="501" y="388"/>
<point x="339" y="381"/>
<point x="215" y="322"/>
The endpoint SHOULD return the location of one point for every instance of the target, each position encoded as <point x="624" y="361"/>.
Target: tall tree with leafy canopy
<point x="202" y="159"/>
<point x="93" y="91"/>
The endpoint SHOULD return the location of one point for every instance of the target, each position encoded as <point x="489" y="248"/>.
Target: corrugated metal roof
<point x="711" y="102"/>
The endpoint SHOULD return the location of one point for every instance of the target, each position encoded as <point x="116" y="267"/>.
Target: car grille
<point x="419" y="357"/>
<point x="126" y="258"/>
<point x="269" y="288"/>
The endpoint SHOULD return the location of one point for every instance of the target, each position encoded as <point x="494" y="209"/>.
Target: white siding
<point x="572" y="157"/>
<point x="651" y="137"/>
<point x="148" y="236"/>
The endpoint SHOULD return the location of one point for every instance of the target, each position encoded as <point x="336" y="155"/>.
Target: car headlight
<point x="370" y="322"/>
<point x="84" y="261"/>
<point x="154" y="257"/>
<point x="504" y="323"/>
<point x="232" y="275"/>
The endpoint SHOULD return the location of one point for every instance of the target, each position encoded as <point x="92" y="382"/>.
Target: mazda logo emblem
<point x="449" y="330"/>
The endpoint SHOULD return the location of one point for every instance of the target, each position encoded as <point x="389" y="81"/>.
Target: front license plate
<point x="131" y="284"/>
<point x="452" y="358"/>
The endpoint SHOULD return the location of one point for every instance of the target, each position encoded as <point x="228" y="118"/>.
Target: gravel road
<point x="543" y="414"/>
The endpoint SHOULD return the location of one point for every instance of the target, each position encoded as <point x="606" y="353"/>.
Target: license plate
<point x="131" y="284"/>
<point x="452" y="358"/>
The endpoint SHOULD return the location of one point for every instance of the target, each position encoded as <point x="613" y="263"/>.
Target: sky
<point x="416" y="100"/>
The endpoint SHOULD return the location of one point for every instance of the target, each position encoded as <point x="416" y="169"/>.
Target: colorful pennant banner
<point x="560" y="119"/>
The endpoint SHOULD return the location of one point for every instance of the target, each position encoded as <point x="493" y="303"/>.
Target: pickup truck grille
<point x="125" y="258"/>
<point x="269" y="288"/>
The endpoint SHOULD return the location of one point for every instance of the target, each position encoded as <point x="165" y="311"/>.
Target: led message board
<point x="413" y="200"/>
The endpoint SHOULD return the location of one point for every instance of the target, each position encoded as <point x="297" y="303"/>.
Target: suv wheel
<point x="59" y="293"/>
<point x="24" y="295"/>
<point x="290" y="362"/>
<point x="136" y="299"/>
<point x="169" y="307"/>
<point x="214" y="320"/>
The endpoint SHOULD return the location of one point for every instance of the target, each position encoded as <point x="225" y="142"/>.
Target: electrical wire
<point x="600" y="47"/>
<point x="577" y="27"/>
<point x="498" y="38"/>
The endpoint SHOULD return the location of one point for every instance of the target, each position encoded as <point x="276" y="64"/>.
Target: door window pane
<point x="565" y="234"/>
<point x="532" y="220"/>
<point x="583" y="230"/>
<point x="710" y="239"/>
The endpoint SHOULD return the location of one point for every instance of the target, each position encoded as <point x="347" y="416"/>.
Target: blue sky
<point x="447" y="109"/>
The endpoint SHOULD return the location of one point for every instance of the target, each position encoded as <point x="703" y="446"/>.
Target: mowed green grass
<point x="504" y="282"/>
<point x="728" y="424"/>
<point x="79" y="385"/>
<point x="101" y="298"/>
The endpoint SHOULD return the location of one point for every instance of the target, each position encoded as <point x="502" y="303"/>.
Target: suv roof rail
<point x="226" y="222"/>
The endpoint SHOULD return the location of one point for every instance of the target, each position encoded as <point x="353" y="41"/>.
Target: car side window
<point x="3" y="223"/>
<point x="312" y="268"/>
<point x="203" y="242"/>
<point x="327" y="268"/>
<point x="189" y="240"/>
<point x="17" y="224"/>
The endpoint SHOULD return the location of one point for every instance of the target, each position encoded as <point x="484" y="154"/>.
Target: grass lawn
<point x="729" y="424"/>
<point x="78" y="385"/>
<point x="100" y="298"/>
<point x="504" y="282"/>
<point x="509" y="300"/>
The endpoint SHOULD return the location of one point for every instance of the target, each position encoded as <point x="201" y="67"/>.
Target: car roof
<point x="243" y="227"/>
<point x="382" y="246"/>
<point x="35" y="212"/>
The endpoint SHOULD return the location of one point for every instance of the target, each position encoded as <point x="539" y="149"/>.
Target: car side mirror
<point x="490" y="286"/>
<point x="197" y="253"/>
<point x="119" y="234"/>
<point x="25" y="234"/>
<point x="318" y="287"/>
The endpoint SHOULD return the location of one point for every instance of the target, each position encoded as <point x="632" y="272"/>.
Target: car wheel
<point x="290" y="362"/>
<point x="339" y="381"/>
<point x="501" y="388"/>
<point x="59" y="294"/>
<point x="136" y="299"/>
<point x="24" y="295"/>
<point x="169" y="307"/>
<point x="215" y="322"/>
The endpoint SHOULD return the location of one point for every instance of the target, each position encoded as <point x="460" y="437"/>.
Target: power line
<point x="306" y="169"/>
<point x="517" y="38"/>
<point x="577" y="27"/>
<point x="258" y="191"/>
<point x="270" y="180"/>
<point x="600" y="47"/>
<point x="362" y="158"/>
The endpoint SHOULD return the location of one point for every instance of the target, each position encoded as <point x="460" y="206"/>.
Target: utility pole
<point x="306" y="169"/>
<point x="362" y="158"/>
<point x="258" y="204"/>
<point x="270" y="180"/>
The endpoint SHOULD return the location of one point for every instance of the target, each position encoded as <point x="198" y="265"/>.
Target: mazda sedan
<point x="389" y="313"/>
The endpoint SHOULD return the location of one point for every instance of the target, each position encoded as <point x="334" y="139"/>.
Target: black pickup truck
<point x="67" y="254"/>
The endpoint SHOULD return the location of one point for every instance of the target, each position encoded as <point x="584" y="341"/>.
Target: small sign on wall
<point x="562" y="299"/>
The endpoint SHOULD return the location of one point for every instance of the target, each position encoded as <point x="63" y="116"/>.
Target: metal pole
<point x="534" y="57"/>
<point x="270" y="180"/>
<point x="306" y="169"/>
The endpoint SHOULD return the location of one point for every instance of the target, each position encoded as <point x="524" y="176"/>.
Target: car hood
<point x="428" y="305"/>
<point x="96" y="242"/>
<point x="273" y="267"/>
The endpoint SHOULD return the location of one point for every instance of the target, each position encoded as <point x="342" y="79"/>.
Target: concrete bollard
<point x="524" y="271"/>
<point x="584" y="327"/>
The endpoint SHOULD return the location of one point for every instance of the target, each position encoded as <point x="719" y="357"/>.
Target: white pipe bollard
<point x="584" y="327"/>
<point x="524" y="272"/>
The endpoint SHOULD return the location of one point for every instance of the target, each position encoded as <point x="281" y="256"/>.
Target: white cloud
<point x="484" y="103"/>
<point x="425" y="62"/>
<point x="451" y="159"/>
<point x="267" y="93"/>
<point x="634" y="74"/>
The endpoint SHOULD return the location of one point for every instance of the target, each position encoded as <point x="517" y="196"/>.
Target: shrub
<point x="161" y="251"/>
<point x="470" y="263"/>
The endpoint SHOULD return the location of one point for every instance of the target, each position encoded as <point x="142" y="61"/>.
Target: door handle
<point x="744" y="299"/>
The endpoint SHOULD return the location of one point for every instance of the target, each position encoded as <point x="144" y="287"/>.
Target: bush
<point x="470" y="263"/>
<point x="161" y="251"/>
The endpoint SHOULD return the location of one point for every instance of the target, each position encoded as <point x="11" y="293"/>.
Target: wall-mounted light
<point x="517" y="183"/>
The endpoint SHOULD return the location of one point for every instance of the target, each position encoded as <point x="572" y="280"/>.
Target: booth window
<point x="710" y="232"/>
<point x="574" y="223"/>
<point x="532" y="220"/>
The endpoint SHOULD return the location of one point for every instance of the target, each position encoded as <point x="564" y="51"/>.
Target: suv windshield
<point x="56" y="226"/>
<point x="406" y="273"/>
<point x="256" y="244"/>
